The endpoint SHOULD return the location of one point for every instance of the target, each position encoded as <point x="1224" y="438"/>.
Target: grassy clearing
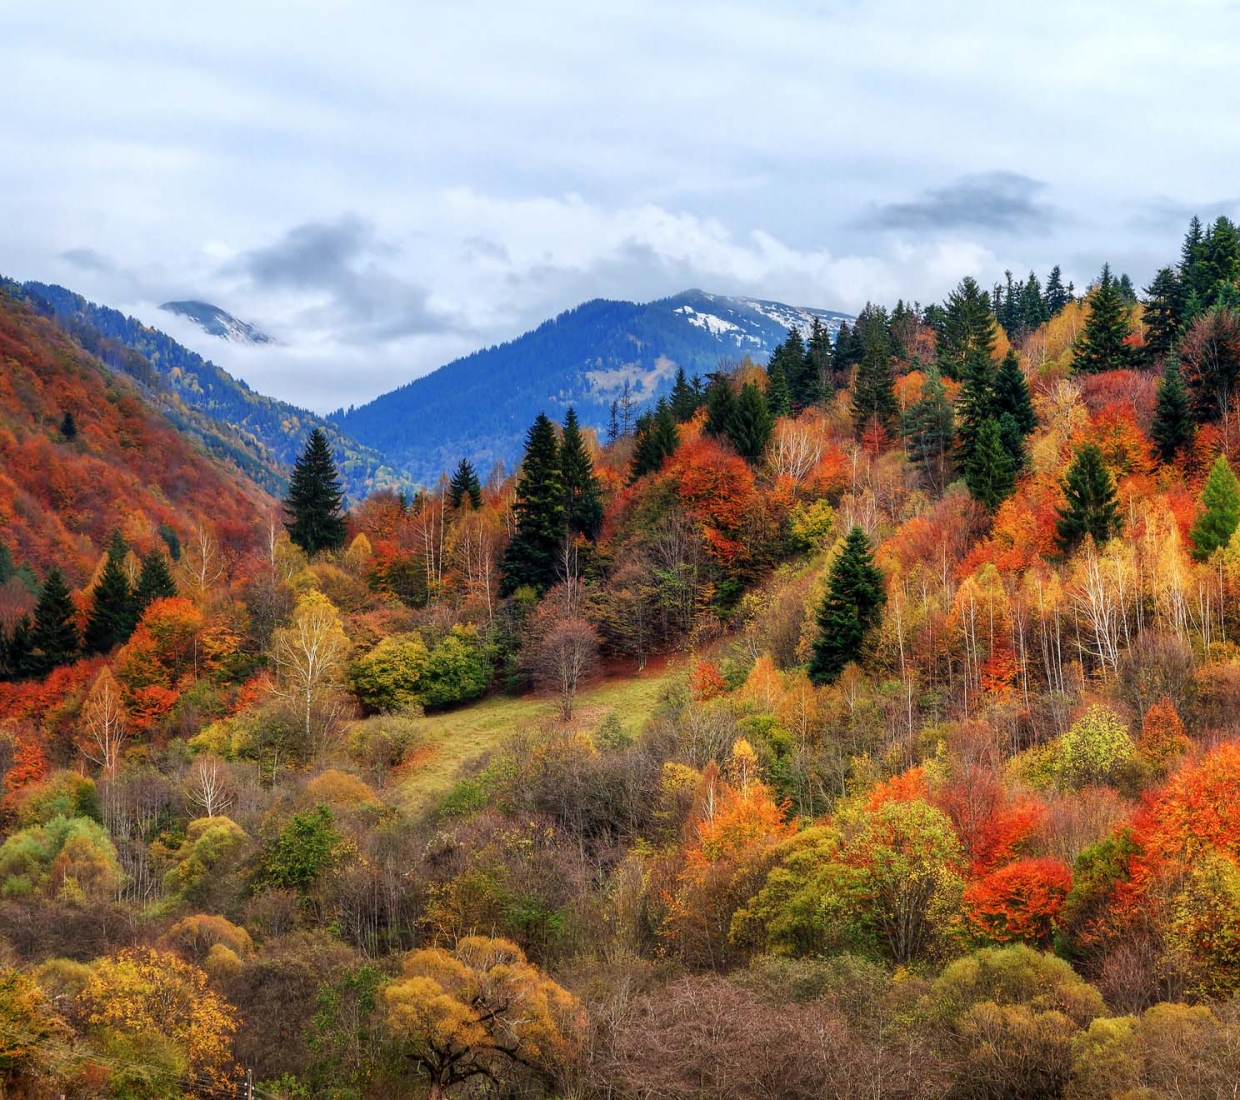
<point x="452" y="740"/>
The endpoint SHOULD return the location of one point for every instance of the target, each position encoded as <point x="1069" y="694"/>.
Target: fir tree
<point x="1162" y="315"/>
<point x="531" y="555"/>
<point x="818" y="385"/>
<point x="154" y="582"/>
<point x="1014" y="441"/>
<point x="848" y="351"/>
<point x="685" y="398"/>
<point x="974" y="405"/>
<point x="55" y="639"/>
<point x="1220" y="260"/>
<point x="752" y="423"/>
<point x="1032" y="306"/>
<point x="68" y="427"/>
<point x="720" y="404"/>
<point x="1056" y="296"/>
<point x="657" y="437"/>
<point x="20" y="659"/>
<point x="930" y="432"/>
<point x="114" y="613"/>
<point x="789" y="358"/>
<point x="583" y="506"/>
<point x="1090" y="507"/>
<point x="874" y="399"/>
<point x="967" y="327"/>
<point x="851" y="608"/>
<point x="990" y="472"/>
<point x="1173" y="426"/>
<point x="1220" y="499"/>
<point x="1011" y="394"/>
<point x="1101" y="346"/>
<point x="465" y="485"/>
<point x="778" y="393"/>
<point x="313" y="505"/>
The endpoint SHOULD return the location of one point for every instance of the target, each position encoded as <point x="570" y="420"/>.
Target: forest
<point x="861" y="723"/>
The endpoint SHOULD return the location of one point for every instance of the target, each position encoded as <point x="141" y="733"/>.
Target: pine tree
<point x="778" y="393"/>
<point x="1220" y="260"/>
<point x="720" y="405"/>
<point x="1173" y="426"/>
<point x="1101" y="346"/>
<point x="1090" y="507"/>
<point x="114" y="612"/>
<point x="1056" y="296"/>
<point x="752" y="423"/>
<point x="990" y="472"/>
<point x="55" y="636"/>
<point x="974" y="405"/>
<point x="1032" y="307"/>
<point x="685" y="399"/>
<point x="531" y="555"/>
<point x="848" y="350"/>
<point x="789" y="358"/>
<point x="313" y="505"/>
<point x="874" y="399"/>
<point x="657" y="438"/>
<point x="465" y="485"/>
<point x="583" y="505"/>
<point x="968" y="326"/>
<point x="1014" y="442"/>
<point x="154" y="582"/>
<point x="1220" y="499"/>
<point x="21" y="661"/>
<point x="852" y="607"/>
<point x="929" y="428"/>
<point x="1162" y="315"/>
<point x="68" y="427"/>
<point x="1011" y="394"/>
<point x="819" y="368"/>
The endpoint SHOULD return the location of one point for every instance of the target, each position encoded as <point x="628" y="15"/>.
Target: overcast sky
<point x="386" y="185"/>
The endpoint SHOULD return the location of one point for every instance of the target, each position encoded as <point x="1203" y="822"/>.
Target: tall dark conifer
<point x="990" y="471"/>
<point x="1162" y="315"/>
<point x="583" y="505"/>
<point x="55" y="637"/>
<point x="720" y="404"/>
<point x="967" y="326"/>
<point x="531" y="555"/>
<point x="656" y="440"/>
<point x="685" y="399"/>
<point x="778" y="392"/>
<point x="1057" y="295"/>
<point x="1173" y="426"/>
<point x="851" y="608"/>
<point x="818" y="377"/>
<point x="313" y="506"/>
<point x="1090" y="507"/>
<point x="1101" y="346"/>
<point x="975" y="403"/>
<point x="930" y="431"/>
<point x="465" y="485"/>
<point x="68" y="427"/>
<point x="752" y="423"/>
<point x="114" y="611"/>
<point x="1011" y="394"/>
<point x="874" y="399"/>
<point x="154" y="582"/>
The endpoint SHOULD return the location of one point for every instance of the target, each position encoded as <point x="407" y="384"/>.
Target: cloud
<point x="1004" y="202"/>
<point x="87" y="259"/>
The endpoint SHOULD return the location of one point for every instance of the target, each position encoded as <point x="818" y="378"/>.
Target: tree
<point x="1090" y="507"/>
<point x="852" y="606"/>
<point x="309" y="656"/>
<point x="1103" y="345"/>
<point x="989" y="470"/>
<point x="1056" y="296"/>
<point x="388" y="678"/>
<point x="103" y="721"/>
<point x="68" y="427"/>
<point x="1011" y="394"/>
<point x="751" y="423"/>
<point x="34" y="1039"/>
<point x="481" y="1010"/>
<point x="930" y="431"/>
<point x="1220" y="499"/>
<point x="313" y="505"/>
<point x="874" y="400"/>
<point x="583" y="507"/>
<point x="788" y="370"/>
<point x="685" y="397"/>
<point x="817" y="384"/>
<point x="720" y="403"/>
<point x="1162" y="315"/>
<point x="561" y="653"/>
<point x="1020" y="902"/>
<point x="531" y="554"/>
<point x="114" y="611"/>
<point x="465" y="484"/>
<point x="656" y="440"/>
<point x="967" y="328"/>
<point x="975" y="404"/>
<point x="778" y="392"/>
<point x="55" y="637"/>
<point x="1173" y="426"/>
<point x="1210" y="360"/>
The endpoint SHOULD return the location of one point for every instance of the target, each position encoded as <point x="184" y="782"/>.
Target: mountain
<point x="480" y="406"/>
<point x="122" y="465"/>
<point x="274" y="430"/>
<point x="216" y="322"/>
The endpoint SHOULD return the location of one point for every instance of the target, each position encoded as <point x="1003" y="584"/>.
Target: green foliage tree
<point x="851" y="608"/>
<point x="974" y="405"/>
<point x="1220" y="500"/>
<point x="457" y="669"/>
<point x="655" y="440"/>
<point x="816" y="379"/>
<point x="929" y="429"/>
<point x="1173" y="427"/>
<point x="778" y="392"/>
<point x="465" y="485"/>
<point x="720" y="405"/>
<point x="530" y="557"/>
<point x="1102" y="345"/>
<point x="68" y="427"/>
<point x="583" y="505"/>
<point x="989" y="470"/>
<point x="966" y="328"/>
<point x="114" y="610"/>
<point x="55" y="637"/>
<point x="1011" y="394"/>
<point x="1057" y="295"/>
<point x="1162" y="315"/>
<point x="389" y="677"/>
<point x="686" y="397"/>
<point x="1090" y="507"/>
<point x="315" y="520"/>
<point x="303" y="850"/>
<point x="874" y="399"/>
<point x="751" y="424"/>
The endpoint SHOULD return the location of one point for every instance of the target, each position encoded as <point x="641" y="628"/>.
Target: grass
<point x="452" y="740"/>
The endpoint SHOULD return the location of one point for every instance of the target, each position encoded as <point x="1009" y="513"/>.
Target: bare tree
<point x="208" y="785"/>
<point x="562" y="653"/>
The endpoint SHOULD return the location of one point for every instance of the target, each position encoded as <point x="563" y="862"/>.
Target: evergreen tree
<point x="465" y="485"/>
<point x="1220" y="499"/>
<point x="789" y="359"/>
<point x="1101" y="345"/>
<point x="1219" y="260"/>
<point x="778" y="392"/>
<point x="967" y="327"/>
<point x="313" y="505"/>
<point x="1013" y="441"/>
<point x="874" y="399"/>
<point x="68" y="427"/>
<point x="531" y="555"/>
<point x="848" y="351"/>
<point x="1032" y="307"/>
<point x="1173" y="426"/>
<point x="613" y="422"/>
<point x="154" y="582"/>
<point x="817" y="376"/>
<point x="752" y="423"/>
<point x="974" y="405"/>
<point x="852" y="607"/>
<point x="990" y="472"/>
<point x="930" y="431"/>
<point x="1126" y="290"/>
<point x="1056" y="296"/>
<point x="114" y="613"/>
<point x="1162" y="315"/>
<point x="720" y="404"/>
<point x="1090" y="507"/>
<point x="685" y="398"/>
<point x="583" y="506"/>
<point x="657" y="438"/>
<point x="1011" y="394"/>
<point x="20" y="659"/>
<point x="55" y="636"/>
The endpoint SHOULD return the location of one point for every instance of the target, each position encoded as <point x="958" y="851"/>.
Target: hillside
<point x="217" y="322"/>
<point x="275" y="429"/>
<point x="480" y="406"/>
<point x="129" y="467"/>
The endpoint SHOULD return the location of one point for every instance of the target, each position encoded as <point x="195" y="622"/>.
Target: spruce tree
<point x="465" y="485"/>
<point x="531" y="555"/>
<point x="990" y="471"/>
<point x="656" y="440"/>
<point x="154" y="582"/>
<point x="685" y="399"/>
<point x="975" y="403"/>
<point x="752" y="423"/>
<point x="1011" y="394"/>
<point x="114" y="613"/>
<point x="818" y="384"/>
<point x="1220" y="260"/>
<point x="313" y="505"/>
<point x="1220" y="499"/>
<point x="55" y="636"/>
<point x="1032" y="306"/>
<point x="930" y="431"/>
<point x="967" y="327"/>
<point x="789" y="359"/>
<point x="778" y="392"/>
<point x="874" y="399"/>
<point x="68" y="427"/>
<point x="1162" y="315"/>
<point x="1101" y="345"/>
<point x="720" y="404"/>
<point x="20" y="658"/>
<point x="1090" y="507"/>
<point x="583" y="505"/>
<point x="1056" y="296"/>
<point x="1173" y="426"/>
<point x="851" y="608"/>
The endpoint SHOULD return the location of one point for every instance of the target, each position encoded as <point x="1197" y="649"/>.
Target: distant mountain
<point x="273" y="431"/>
<point x="480" y="406"/>
<point x="216" y="322"/>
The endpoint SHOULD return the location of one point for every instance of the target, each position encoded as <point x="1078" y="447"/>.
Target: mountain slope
<point x="481" y="405"/>
<point x="127" y="466"/>
<point x="216" y="322"/>
<point x="278" y="428"/>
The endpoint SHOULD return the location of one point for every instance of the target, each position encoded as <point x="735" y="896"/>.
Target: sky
<point x="384" y="186"/>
